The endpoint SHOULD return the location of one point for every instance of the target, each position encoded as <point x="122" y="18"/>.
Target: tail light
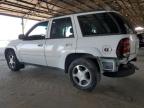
<point x="123" y="49"/>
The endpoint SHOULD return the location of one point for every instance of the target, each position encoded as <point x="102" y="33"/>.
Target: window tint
<point x="108" y="23"/>
<point x="61" y="28"/>
<point x="125" y="26"/>
<point x="97" y="24"/>
<point x="39" y="30"/>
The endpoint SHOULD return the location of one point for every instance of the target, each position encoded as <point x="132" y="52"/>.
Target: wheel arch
<point x="8" y="49"/>
<point x="13" y="49"/>
<point x="73" y="56"/>
<point x="17" y="63"/>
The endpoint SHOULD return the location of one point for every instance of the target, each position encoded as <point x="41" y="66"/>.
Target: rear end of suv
<point x="111" y="36"/>
<point x="109" y="43"/>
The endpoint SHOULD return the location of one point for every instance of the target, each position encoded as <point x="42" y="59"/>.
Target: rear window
<point x="97" y="24"/>
<point x="103" y="24"/>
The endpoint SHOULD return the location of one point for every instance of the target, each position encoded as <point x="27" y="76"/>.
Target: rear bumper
<point x="123" y="71"/>
<point x="132" y="56"/>
<point x="127" y="68"/>
<point x="114" y="65"/>
<point x="109" y="64"/>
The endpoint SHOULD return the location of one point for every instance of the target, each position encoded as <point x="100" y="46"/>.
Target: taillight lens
<point x="123" y="49"/>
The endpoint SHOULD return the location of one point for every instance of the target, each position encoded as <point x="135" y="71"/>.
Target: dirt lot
<point x="38" y="87"/>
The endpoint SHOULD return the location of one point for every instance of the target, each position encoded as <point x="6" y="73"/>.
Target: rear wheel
<point x="12" y="61"/>
<point x="84" y="74"/>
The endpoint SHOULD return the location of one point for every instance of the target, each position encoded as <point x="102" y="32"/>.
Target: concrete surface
<point x="37" y="87"/>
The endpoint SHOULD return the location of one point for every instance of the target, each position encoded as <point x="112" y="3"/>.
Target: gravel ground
<point x="38" y="87"/>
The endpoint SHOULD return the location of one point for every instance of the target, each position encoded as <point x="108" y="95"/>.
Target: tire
<point x="12" y="61"/>
<point x="84" y="74"/>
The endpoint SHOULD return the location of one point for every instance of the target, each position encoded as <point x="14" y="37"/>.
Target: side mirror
<point x="21" y="36"/>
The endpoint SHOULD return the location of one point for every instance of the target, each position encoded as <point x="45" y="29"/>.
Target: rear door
<point x="61" y="41"/>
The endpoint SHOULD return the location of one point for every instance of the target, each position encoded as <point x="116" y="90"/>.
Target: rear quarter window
<point x="97" y="24"/>
<point x="124" y="25"/>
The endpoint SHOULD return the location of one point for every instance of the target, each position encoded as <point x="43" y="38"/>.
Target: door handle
<point x="40" y="45"/>
<point x="68" y="44"/>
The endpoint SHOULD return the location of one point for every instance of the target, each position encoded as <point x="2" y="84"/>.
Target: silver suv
<point x="84" y="45"/>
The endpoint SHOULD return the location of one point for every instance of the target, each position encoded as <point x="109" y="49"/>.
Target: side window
<point x="124" y="25"/>
<point x="109" y="24"/>
<point x="39" y="31"/>
<point x="97" y="24"/>
<point x="61" y="28"/>
<point x="90" y="25"/>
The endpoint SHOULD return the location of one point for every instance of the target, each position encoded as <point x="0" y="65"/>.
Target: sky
<point x="10" y="28"/>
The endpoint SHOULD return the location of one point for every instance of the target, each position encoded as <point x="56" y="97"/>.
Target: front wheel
<point x="84" y="74"/>
<point x="12" y="61"/>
